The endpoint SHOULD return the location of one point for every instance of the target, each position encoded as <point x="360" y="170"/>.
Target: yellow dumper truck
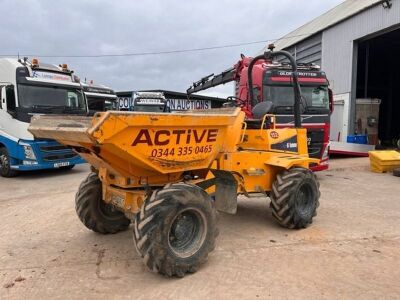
<point x="169" y="174"/>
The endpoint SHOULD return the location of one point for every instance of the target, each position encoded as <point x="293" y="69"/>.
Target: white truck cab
<point x="28" y="88"/>
<point x="99" y="97"/>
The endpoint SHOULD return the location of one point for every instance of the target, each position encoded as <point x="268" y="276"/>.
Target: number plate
<point x="61" y="164"/>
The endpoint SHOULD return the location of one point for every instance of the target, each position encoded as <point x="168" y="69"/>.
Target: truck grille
<point x="316" y="142"/>
<point x="54" y="148"/>
<point x="56" y="151"/>
<point x="59" y="157"/>
<point x="316" y="135"/>
<point x="314" y="150"/>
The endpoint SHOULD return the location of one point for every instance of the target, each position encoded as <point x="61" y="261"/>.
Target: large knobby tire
<point x="295" y="198"/>
<point x="175" y="229"/>
<point x="94" y="213"/>
<point x="5" y="164"/>
<point x="396" y="172"/>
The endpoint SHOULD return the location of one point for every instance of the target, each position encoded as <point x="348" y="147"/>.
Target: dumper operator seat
<point x="259" y="111"/>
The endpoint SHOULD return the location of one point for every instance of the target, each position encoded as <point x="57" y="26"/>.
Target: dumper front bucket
<point x="146" y="143"/>
<point x="70" y="130"/>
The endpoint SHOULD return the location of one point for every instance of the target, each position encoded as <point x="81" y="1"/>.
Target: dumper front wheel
<point x="295" y="198"/>
<point x="175" y="229"/>
<point x="94" y="213"/>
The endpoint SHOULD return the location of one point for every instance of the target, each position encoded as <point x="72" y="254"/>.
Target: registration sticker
<point x="61" y="164"/>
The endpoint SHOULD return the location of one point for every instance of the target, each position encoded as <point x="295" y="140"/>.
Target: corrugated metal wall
<point x="338" y="42"/>
<point x="335" y="49"/>
<point x="339" y="50"/>
<point x="308" y="50"/>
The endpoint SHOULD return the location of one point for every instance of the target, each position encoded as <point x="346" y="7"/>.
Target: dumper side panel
<point x="259" y="169"/>
<point x="164" y="143"/>
<point x="292" y="140"/>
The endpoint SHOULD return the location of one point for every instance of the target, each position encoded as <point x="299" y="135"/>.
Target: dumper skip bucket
<point x="151" y="143"/>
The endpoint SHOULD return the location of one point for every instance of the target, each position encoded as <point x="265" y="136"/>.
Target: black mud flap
<point x="225" y="190"/>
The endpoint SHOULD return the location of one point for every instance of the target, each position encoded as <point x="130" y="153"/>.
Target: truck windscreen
<point x="282" y="96"/>
<point x="51" y="99"/>
<point x="101" y="103"/>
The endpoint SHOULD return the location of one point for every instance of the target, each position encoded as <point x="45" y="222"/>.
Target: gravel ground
<point x="352" y="250"/>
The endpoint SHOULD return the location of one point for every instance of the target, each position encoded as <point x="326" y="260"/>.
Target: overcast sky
<point x="87" y="27"/>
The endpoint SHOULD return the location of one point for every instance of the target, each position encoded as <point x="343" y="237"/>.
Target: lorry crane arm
<point x="226" y="76"/>
<point x="212" y="80"/>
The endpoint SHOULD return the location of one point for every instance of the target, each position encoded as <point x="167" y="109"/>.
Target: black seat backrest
<point x="261" y="109"/>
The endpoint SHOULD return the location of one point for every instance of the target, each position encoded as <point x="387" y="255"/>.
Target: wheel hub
<point x="187" y="232"/>
<point x="183" y="227"/>
<point x="304" y="201"/>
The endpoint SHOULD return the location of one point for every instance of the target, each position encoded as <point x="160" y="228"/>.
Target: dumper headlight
<point x="29" y="152"/>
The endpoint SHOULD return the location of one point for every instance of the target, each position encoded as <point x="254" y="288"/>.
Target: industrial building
<point x="357" y="44"/>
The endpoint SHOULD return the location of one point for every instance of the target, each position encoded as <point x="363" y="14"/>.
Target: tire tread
<point x="87" y="208"/>
<point x="282" y="197"/>
<point x="147" y="235"/>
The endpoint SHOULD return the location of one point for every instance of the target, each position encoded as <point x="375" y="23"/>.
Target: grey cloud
<point x="106" y="27"/>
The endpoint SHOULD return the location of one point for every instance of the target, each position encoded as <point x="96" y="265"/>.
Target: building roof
<point x="336" y="15"/>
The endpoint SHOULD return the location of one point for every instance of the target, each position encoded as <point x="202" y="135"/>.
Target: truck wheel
<point x="396" y="172"/>
<point x="94" y="213"/>
<point x="5" y="164"/>
<point x="175" y="229"/>
<point x="295" y="198"/>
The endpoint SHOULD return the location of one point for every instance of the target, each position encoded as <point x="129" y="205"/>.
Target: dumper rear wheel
<point x="175" y="229"/>
<point x="94" y="213"/>
<point x="295" y="198"/>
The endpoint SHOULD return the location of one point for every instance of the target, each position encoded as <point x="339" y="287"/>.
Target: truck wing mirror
<point x="2" y="96"/>
<point x="10" y="99"/>
<point x="331" y="107"/>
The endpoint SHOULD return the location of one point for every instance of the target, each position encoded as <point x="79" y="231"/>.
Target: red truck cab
<point x="272" y="81"/>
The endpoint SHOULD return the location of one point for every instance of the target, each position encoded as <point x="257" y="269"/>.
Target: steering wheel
<point x="239" y="102"/>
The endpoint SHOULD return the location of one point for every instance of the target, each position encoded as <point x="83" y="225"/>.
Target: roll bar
<point x="296" y="86"/>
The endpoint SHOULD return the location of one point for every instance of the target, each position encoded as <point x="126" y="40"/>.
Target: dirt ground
<point x="352" y="251"/>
